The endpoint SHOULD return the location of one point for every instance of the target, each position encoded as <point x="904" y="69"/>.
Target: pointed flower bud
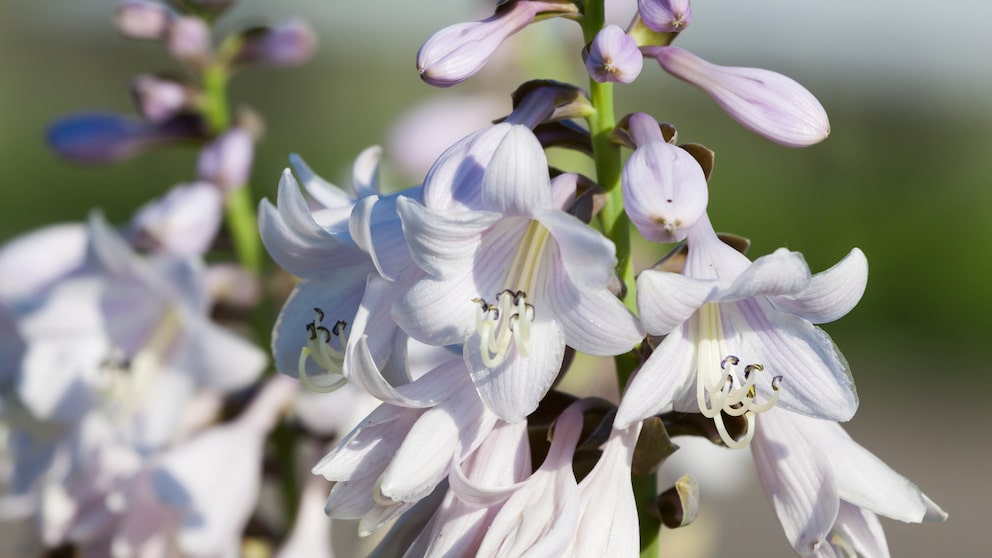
<point x="765" y="102"/>
<point x="614" y="56"/>
<point x="665" y="16"/>
<point x="664" y="188"/>
<point x="227" y="160"/>
<point x="189" y="40"/>
<point x="457" y="52"/>
<point x="101" y="137"/>
<point x="287" y="44"/>
<point x="159" y="99"/>
<point x="139" y="19"/>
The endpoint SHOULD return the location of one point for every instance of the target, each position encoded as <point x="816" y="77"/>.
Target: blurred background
<point x="906" y="175"/>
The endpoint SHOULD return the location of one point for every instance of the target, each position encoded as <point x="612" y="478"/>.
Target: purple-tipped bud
<point x="108" y="137"/>
<point x="664" y="188"/>
<point x="159" y="99"/>
<point x="289" y="43"/>
<point x="227" y="160"/>
<point x="765" y="102"/>
<point x="139" y="19"/>
<point x="614" y="56"/>
<point x="457" y="52"/>
<point x="189" y="40"/>
<point x="665" y="16"/>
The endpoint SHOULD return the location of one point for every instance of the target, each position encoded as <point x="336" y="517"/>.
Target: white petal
<point x="32" y="261"/>
<point x="442" y="244"/>
<point x="365" y="172"/>
<point x="782" y="272"/>
<point x="430" y="389"/>
<point x="453" y="181"/>
<point x="367" y="449"/>
<point x="669" y="372"/>
<point x="666" y="300"/>
<point x="831" y="293"/>
<point x="589" y="257"/>
<point x="593" y="321"/>
<point x="327" y="194"/>
<point x="862" y="530"/>
<point x="516" y="180"/>
<point x="438" y="312"/>
<point x="513" y="389"/>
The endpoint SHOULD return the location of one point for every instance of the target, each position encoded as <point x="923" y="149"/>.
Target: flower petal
<point x="781" y="272"/>
<point x="592" y="321"/>
<point x="516" y="180"/>
<point x="668" y="373"/>
<point x="862" y="530"/>
<point x="588" y="256"/>
<point x="438" y="312"/>
<point x="442" y="243"/>
<point x="666" y="300"/>
<point x="830" y="294"/>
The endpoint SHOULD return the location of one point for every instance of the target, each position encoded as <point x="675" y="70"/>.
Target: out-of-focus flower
<point x="33" y="261"/>
<point x="159" y="99"/>
<point x="184" y="222"/>
<point x="664" y="188"/>
<point x="513" y="281"/>
<point x="614" y="56"/>
<point x="227" y="160"/>
<point x="827" y="489"/>
<point x="765" y="102"/>
<point x="665" y="16"/>
<point x="740" y="336"/>
<point x="189" y="40"/>
<point x="103" y="137"/>
<point x="142" y="19"/>
<point x="286" y="44"/>
<point x="457" y="52"/>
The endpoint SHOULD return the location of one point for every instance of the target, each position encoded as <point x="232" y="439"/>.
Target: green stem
<point x="616" y="226"/>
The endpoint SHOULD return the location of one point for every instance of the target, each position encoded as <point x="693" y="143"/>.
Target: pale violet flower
<point x="740" y="336"/>
<point x="763" y="101"/>
<point x="827" y="489"/>
<point x="184" y="222"/>
<point x="514" y="281"/>
<point x="665" y="16"/>
<point x="613" y="56"/>
<point x="226" y="161"/>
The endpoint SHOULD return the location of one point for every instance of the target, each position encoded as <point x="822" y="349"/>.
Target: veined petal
<point x="327" y="194"/>
<point x="782" y="272"/>
<point x="664" y="191"/>
<point x="438" y="312"/>
<point x="589" y="257"/>
<point x="453" y="181"/>
<point x="830" y="294"/>
<point x="516" y="180"/>
<point x="513" y="389"/>
<point x="352" y="499"/>
<point x="862" y="530"/>
<point x="442" y="244"/>
<point x="797" y="480"/>
<point x="668" y="373"/>
<point x="426" y="391"/>
<point x="377" y="229"/>
<point x="365" y="172"/>
<point x="816" y="380"/>
<point x="367" y="449"/>
<point x="593" y="321"/>
<point x="666" y="300"/>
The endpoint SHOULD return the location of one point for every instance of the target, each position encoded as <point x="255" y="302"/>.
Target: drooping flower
<point x="765" y="102"/>
<point x="514" y="281"/>
<point x="740" y="336"/>
<point x="613" y="56"/>
<point x="827" y="489"/>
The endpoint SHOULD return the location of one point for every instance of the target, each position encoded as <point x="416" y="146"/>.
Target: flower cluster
<point x="446" y="313"/>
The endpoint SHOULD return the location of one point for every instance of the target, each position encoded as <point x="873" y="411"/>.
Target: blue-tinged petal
<point x="365" y="172"/>
<point x="442" y="244"/>
<point x="666" y="300"/>
<point x="862" y="530"/>
<point x="32" y="262"/>
<point x="513" y="389"/>
<point x="797" y="480"/>
<point x="426" y="391"/>
<point x="296" y="212"/>
<point x="589" y="257"/>
<point x="453" y="182"/>
<point x="327" y="194"/>
<point x="438" y="312"/>
<point x="351" y="499"/>
<point x="377" y="229"/>
<point x="669" y="372"/>
<point x="367" y="449"/>
<point x="337" y="299"/>
<point x="225" y="360"/>
<point x="782" y="272"/>
<point x="830" y="294"/>
<point x="815" y="377"/>
<point x="516" y="180"/>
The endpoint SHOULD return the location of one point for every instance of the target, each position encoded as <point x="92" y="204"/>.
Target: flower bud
<point x="765" y="102"/>
<point x="665" y="16"/>
<point x="457" y="52"/>
<point x="614" y="56"/>
<point x="184" y="222"/>
<point x="158" y="99"/>
<point x="289" y="43"/>
<point x="189" y="40"/>
<point x="107" y="137"/>
<point x="227" y="160"/>
<point x="140" y="19"/>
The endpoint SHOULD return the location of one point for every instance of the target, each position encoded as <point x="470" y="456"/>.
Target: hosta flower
<point x="740" y="336"/>
<point x="765" y="102"/>
<point x="665" y="16"/>
<point x="514" y="281"/>
<point x="827" y="489"/>
<point x="613" y="56"/>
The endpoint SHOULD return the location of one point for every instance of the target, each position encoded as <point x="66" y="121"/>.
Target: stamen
<point x="506" y="322"/>
<point x="319" y="349"/>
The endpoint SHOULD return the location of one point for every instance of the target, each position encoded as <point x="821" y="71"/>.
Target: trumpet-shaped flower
<point x="765" y="102"/>
<point x="740" y="336"/>
<point x="514" y="281"/>
<point x="827" y="489"/>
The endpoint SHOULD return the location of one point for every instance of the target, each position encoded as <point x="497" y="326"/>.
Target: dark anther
<point x="320" y="314"/>
<point x="732" y="360"/>
<point x="312" y="330"/>
<point x="323" y="330"/>
<point x="340" y="325"/>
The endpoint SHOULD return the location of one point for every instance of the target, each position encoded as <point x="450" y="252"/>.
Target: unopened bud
<point x="107" y="137"/>
<point x="140" y="19"/>
<point x="614" y="56"/>
<point x="289" y="43"/>
<point x="189" y="40"/>
<point x="665" y="16"/>
<point x="679" y="505"/>
<point x="227" y="160"/>
<point x="765" y="102"/>
<point x="457" y="52"/>
<point x="159" y="99"/>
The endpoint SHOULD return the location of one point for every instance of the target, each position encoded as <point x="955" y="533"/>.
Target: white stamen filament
<point x="716" y="393"/>
<point x="324" y="355"/>
<point x="507" y="322"/>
